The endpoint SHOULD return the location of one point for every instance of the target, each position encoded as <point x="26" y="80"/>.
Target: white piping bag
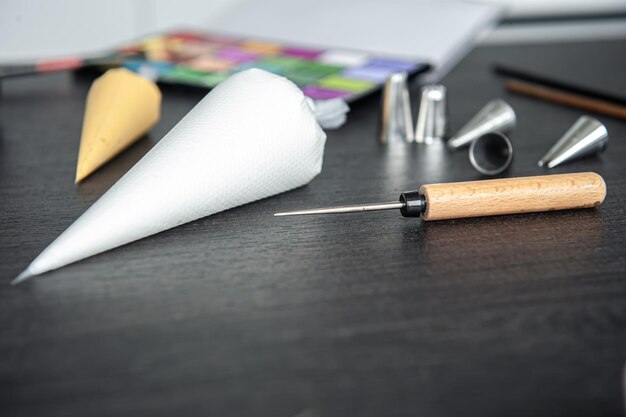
<point x="253" y="136"/>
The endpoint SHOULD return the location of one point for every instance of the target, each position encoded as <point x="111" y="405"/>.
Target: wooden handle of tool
<point x="513" y="195"/>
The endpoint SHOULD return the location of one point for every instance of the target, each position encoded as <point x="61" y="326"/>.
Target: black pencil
<point x="557" y="84"/>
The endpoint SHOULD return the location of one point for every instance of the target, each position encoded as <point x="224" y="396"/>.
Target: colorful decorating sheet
<point x="203" y="59"/>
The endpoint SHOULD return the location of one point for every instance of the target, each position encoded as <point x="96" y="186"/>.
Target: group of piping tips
<point x="121" y="107"/>
<point x="396" y="123"/>
<point x="587" y="136"/>
<point x="490" y="153"/>
<point x="490" y="149"/>
<point x="489" y="125"/>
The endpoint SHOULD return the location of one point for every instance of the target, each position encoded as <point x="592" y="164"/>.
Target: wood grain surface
<point x="501" y="196"/>
<point x="244" y="314"/>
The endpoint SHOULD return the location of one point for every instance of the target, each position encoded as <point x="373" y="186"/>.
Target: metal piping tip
<point x="497" y="115"/>
<point x="431" y="124"/>
<point x="586" y="137"/>
<point x="491" y="153"/>
<point x="396" y="124"/>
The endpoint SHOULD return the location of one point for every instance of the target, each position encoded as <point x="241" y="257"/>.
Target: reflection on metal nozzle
<point x="491" y="153"/>
<point x="396" y="124"/>
<point x="497" y="115"/>
<point x="431" y="122"/>
<point x="586" y="137"/>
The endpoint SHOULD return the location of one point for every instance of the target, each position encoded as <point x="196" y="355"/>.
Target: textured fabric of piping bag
<point x="251" y="137"/>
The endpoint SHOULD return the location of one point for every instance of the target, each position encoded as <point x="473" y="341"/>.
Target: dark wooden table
<point x="243" y="314"/>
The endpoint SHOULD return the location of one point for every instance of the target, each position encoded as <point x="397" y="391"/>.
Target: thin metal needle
<point x="345" y="209"/>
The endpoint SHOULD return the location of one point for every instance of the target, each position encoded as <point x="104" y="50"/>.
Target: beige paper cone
<point x="121" y="107"/>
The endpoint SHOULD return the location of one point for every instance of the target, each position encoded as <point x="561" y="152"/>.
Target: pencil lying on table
<point x="562" y="93"/>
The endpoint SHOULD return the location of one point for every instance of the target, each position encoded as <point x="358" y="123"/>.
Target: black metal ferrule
<point x="414" y="204"/>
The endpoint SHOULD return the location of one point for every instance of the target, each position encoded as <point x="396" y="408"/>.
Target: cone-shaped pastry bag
<point x="253" y="136"/>
<point x="121" y="107"/>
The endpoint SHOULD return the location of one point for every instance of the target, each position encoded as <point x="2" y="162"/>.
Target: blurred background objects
<point x="44" y="29"/>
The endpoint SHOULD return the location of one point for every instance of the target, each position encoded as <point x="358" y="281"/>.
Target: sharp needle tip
<point x="26" y="274"/>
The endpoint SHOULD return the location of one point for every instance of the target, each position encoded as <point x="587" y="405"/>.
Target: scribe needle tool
<point x="488" y="197"/>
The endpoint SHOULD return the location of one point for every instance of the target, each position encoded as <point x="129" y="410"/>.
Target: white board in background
<point x="438" y="32"/>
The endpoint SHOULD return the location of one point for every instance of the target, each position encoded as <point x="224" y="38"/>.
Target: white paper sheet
<point x="438" y="32"/>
